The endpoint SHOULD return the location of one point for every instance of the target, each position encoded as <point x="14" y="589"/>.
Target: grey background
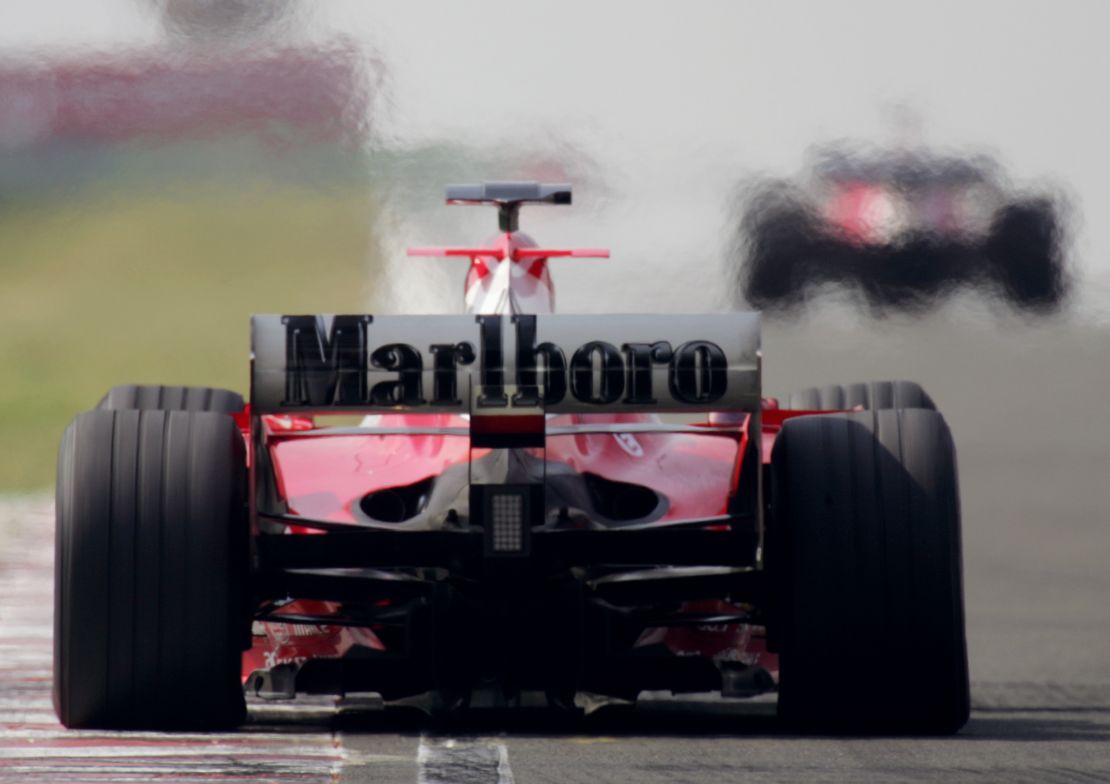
<point x="661" y="109"/>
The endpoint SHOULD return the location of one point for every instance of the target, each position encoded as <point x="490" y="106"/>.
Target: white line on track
<point x="450" y="761"/>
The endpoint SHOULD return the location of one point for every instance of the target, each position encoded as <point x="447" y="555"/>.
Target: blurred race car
<point x="509" y="519"/>
<point x="904" y="227"/>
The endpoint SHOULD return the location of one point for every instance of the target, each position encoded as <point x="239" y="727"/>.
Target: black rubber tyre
<point x="864" y="551"/>
<point x="779" y="237"/>
<point x="870" y="395"/>
<point x="155" y="397"/>
<point x="1025" y="255"/>
<point x="150" y="571"/>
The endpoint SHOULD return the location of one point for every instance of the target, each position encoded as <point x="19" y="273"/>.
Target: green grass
<point x="121" y="287"/>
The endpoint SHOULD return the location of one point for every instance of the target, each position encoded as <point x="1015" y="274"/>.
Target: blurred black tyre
<point x="150" y="571"/>
<point x="864" y="550"/>
<point x="155" y="397"/>
<point x="781" y="238"/>
<point x="1024" y="255"/>
<point x="868" y="395"/>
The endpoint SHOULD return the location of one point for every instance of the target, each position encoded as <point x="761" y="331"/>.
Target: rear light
<point x="507" y="521"/>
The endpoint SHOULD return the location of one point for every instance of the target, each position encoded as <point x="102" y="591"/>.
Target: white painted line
<point x="451" y="761"/>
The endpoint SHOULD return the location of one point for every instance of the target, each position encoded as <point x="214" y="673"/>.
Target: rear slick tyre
<point x="156" y="397"/>
<point x="865" y="396"/>
<point x="865" y="554"/>
<point x="1025" y="256"/>
<point x="150" y="571"/>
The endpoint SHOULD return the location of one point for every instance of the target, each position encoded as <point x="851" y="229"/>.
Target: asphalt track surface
<point x="1028" y="406"/>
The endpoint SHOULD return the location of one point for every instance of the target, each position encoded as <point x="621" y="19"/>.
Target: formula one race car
<point x="904" y="227"/>
<point x="509" y="520"/>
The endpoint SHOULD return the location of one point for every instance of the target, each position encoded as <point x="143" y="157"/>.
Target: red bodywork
<point x="324" y="478"/>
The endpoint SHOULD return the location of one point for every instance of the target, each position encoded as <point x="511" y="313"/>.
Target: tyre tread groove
<point x="108" y="573"/>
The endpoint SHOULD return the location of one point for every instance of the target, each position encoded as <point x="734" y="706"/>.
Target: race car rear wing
<point x="508" y="197"/>
<point x="505" y="366"/>
<point x="512" y="192"/>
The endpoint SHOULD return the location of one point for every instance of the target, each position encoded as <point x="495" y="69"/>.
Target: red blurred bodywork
<point x="312" y="94"/>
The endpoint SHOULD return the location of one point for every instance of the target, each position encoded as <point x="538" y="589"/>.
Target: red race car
<point x="523" y="507"/>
